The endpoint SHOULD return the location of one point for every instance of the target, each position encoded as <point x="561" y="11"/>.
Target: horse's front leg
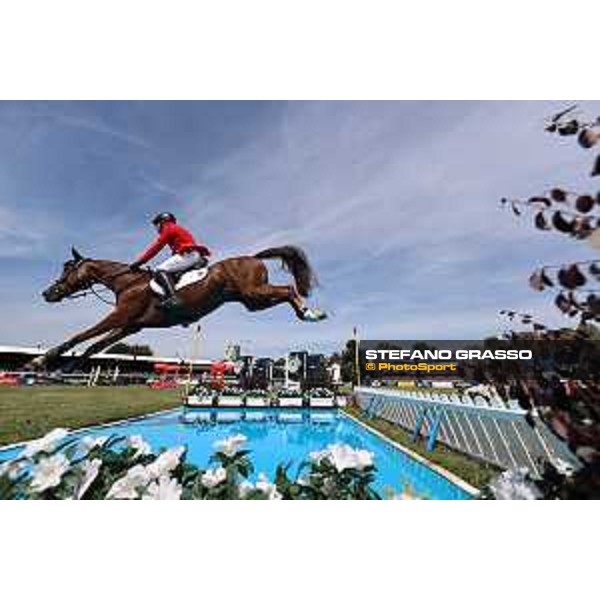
<point x="110" y="338"/>
<point x="113" y="321"/>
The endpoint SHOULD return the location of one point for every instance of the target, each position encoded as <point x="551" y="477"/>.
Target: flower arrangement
<point x="202" y="391"/>
<point x="57" y="467"/>
<point x="119" y="468"/>
<point x="231" y="396"/>
<point x="258" y="393"/>
<point x="200" y="396"/>
<point x="321" y="393"/>
<point x="232" y="391"/>
<point x="558" y="480"/>
<point x="285" y="393"/>
<point x="258" y="398"/>
<point x="515" y="484"/>
<point x="290" y="398"/>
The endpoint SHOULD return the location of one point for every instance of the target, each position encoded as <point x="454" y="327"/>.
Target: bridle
<point x="89" y="289"/>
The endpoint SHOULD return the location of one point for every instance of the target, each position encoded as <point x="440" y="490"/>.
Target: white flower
<point x="262" y="485"/>
<point x="563" y="467"/>
<point x="245" y="489"/>
<point x="164" y="489"/>
<point x="91" y="468"/>
<point x="137" y="442"/>
<point x="48" y="472"/>
<point x="12" y="468"/>
<point x="267" y="488"/>
<point x="139" y="476"/>
<point x="166" y="462"/>
<point x="213" y="477"/>
<point x="318" y="455"/>
<point x="89" y="442"/>
<point x="344" y="457"/>
<point x="44" y="444"/>
<point x="127" y="487"/>
<point x="231" y="445"/>
<point x="514" y="485"/>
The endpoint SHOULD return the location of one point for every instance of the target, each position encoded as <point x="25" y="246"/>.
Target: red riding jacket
<point x="179" y="239"/>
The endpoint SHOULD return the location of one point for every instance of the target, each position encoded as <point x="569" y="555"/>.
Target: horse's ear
<point x="76" y="254"/>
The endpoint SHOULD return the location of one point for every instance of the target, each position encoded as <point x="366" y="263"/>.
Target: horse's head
<point x="76" y="276"/>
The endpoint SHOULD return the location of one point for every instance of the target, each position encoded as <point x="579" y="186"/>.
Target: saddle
<point x="182" y="279"/>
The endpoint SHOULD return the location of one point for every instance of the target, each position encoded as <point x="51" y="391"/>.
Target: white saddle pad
<point x="188" y="278"/>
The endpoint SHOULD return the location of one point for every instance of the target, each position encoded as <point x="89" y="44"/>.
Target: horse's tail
<point x="294" y="260"/>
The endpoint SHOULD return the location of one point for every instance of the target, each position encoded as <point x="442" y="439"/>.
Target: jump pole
<point x="195" y="349"/>
<point x="356" y="361"/>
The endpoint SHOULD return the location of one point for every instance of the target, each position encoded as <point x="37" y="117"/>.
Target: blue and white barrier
<point x="481" y="425"/>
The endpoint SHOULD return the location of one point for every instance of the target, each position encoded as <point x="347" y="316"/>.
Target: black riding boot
<point x="170" y="300"/>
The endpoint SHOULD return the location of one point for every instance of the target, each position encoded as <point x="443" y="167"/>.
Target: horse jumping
<point x="242" y="279"/>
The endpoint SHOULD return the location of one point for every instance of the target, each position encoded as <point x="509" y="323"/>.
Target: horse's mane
<point x="110" y="267"/>
<point x="103" y="261"/>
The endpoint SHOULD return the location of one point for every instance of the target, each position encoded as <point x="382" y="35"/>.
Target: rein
<point x="92" y="291"/>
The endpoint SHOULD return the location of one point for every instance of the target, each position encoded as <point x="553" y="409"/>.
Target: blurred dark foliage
<point x="568" y="405"/>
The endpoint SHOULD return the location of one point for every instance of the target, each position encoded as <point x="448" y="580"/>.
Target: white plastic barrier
<point x="478" y="423"/>
<point x="194" y="400"/>
<point x="257" y="401"/>
<point x="228" y="401"/>
<point x="322" y="402"/>
<point x="292" y="402"/>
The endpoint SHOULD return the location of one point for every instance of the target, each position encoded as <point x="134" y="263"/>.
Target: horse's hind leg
<point x="259" y="295"/>
<point x="266" y="296"/>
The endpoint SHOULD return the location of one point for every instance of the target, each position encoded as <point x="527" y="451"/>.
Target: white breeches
<point x="179" y="262"/>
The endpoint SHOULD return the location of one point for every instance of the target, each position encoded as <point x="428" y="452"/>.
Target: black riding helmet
<point x="164" y="217"/>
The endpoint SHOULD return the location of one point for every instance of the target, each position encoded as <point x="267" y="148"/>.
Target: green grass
<point x="472" y="471"/>
<point x="30" y="412"/>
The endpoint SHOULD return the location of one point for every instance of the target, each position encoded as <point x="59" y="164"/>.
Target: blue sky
<point x="396" y="203"/>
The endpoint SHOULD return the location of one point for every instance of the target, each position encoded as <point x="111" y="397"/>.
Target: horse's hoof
<point x="39" y="362"/>
<point x="312" y="315"/>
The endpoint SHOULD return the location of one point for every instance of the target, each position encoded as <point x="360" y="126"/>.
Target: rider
<point x="186" y="254"/>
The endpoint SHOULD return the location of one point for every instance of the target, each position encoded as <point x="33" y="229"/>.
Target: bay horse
<point x="242" y="279"/>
